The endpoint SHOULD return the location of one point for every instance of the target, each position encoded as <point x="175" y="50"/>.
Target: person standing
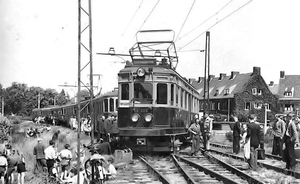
<point x="246" y="141"/>
<point x="38" y="151"/>
<point x="50" y="155"/>
<point x="3" y="166"/>
<point x="255" y="140"/>
<point x="279" y="130"/>
<point x="196" y="133"/>
<point x="236" y="135"/>
<point x="208" y="130"/>
<point x="65" y="159"/>
<point x="21" y="169"/>
<point x="290" y="139"/>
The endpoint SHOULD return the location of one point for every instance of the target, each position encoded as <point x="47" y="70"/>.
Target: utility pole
<point x="206" y="84"/>
<point x="79" y="82"/>
<point x="39" y="100"/>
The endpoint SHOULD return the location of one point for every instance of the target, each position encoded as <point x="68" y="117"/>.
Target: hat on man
<point x="251" y="116"/>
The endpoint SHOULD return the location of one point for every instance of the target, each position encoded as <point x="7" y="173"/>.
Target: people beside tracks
<point x="255" y="135"/>
<point x="279" y="130"/>
<point x="195" y="130"/>
<point x="12" y="160"/>
<point x="207" y="127"/>
<point x="290" y="139"/>
<point x="21" y="169"/>
<point x="38" y="151"/>
<point x="245" y="142"/>
<point x="3" y="166"/>
<point x="65" y="157"/>
<point x="110" y="171"/>
<point x="236" y="135"/>
<point x="50" y="155"/>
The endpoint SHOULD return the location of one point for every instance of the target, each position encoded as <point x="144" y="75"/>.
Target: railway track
<point x="272" y="165"/>
<point x="181" y="169"/>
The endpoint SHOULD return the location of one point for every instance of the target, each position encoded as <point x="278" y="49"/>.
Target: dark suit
<point x="236" y="137"/>
<point x="38" y="151"/>
<point x="255" y="135"/>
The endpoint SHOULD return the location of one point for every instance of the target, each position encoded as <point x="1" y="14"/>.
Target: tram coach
<point x="156" y="104"/>
<point x="103" y="106"/>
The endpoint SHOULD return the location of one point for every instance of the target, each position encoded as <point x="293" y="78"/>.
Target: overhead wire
<point x="149" y="14"/>
<point x="216" y="24"/>
<point x="207" y="19"/>
<point x="133" y="17"/>
<point x="185" y="20"/>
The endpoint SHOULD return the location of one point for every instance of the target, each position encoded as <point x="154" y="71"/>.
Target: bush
<point x="15" y="119"/>
<point x="229" y="136"/>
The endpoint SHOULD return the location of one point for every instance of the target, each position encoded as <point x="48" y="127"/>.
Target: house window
<point x="217" y="92"/>
<point x="213" y="106"/>
<point x="226" y="91"/>
<point x="257" y="105"/>
<point x="267" y="106"/>
<point x="288" y="93"/>
<point x="254" y="91"/>
<point x="259" y="92"/>
<point x="247" y="106"/>
<point x="288" y="107"/>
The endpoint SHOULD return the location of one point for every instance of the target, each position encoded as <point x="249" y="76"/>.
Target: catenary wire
<point x="206" y="20"/>
<point x="215" y="24"/>
<point x="133" y="17"/>
<point x="185" y="20"/>
<point x="149" y="14"/>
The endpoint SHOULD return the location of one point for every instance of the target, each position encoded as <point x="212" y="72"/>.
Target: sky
<point x="39" y="38"/>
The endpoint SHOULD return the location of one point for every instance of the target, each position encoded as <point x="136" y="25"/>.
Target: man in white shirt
<point x="65" y="157"/>
<point x="50" y="155"/>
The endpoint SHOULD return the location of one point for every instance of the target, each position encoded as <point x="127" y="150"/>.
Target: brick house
<point x="240" y="94"/>
<point x="288" y="91"/>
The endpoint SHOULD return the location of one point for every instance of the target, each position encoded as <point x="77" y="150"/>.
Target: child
<point x="21" y="169"/>
<point x="110" y="172"/>
<point x="245" y="141"/>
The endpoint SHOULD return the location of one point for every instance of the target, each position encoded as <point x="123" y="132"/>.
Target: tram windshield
<point x="143" y="92"/>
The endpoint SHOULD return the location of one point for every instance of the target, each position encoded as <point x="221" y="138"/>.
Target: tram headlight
<point x="148" y="117"/>
<point x="135" y="118"/>
<point x="140" y="72"/>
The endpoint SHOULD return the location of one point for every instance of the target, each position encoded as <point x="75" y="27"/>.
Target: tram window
<point x="143" y="90"/>
<point x="124" y="91"/>
<point x="116" y="104"/>
<point x="111" y="105"/>
<point x="181" y="98"/>
<point x="172" y="94"/>
<point x="105" y="105"/>
<point x="162" y="93"/>
<point x="177" y="96"/>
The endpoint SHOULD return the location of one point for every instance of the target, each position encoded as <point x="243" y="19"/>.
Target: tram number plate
<point x="141" y="141"/>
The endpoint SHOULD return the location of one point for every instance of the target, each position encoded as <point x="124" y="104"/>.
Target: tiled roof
<point x="274" y="89"/>
<point x="289" y="83"/>
<point x="217" y="88"/>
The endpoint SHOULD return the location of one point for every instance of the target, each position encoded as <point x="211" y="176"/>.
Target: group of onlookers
<point x="251" y="137"/>
<point x="58" y="163"/>
<point x="37" y="130"/>
<point x="11" y="161"/>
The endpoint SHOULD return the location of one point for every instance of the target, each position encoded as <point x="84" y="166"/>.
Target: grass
<point x="25" y="145"/>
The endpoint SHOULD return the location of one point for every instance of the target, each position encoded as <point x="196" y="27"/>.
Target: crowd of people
<point x="250" y="136"/>
<point x="11" y="162"/>
<point x="59" y="165"/>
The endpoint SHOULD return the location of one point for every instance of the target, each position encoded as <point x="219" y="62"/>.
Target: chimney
<point x="282" y="75"/>
<point x="211" y="77"/>
<point x="233" y="74"/>
<point x="200" y="79"/>
<point x="256" y="70"/>
<point x="222" y="76"/>
<point x="271" y="83"/>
